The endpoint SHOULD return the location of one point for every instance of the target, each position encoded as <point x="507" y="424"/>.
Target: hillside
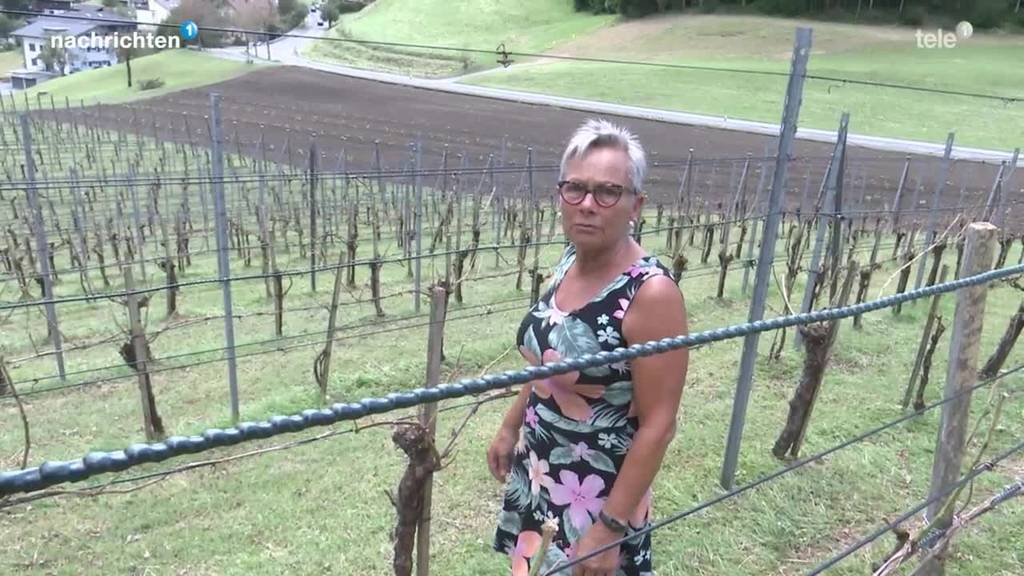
<point x="986" y="63"/>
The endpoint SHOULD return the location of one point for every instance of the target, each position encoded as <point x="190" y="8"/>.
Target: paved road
<point x="288" y="51"/>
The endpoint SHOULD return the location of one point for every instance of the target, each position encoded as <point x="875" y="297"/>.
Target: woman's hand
<point x="605" y="563"/>
<point x="499" y="454"/>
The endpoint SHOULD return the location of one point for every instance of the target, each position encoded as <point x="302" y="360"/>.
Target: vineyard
<point x="197" y="262"/>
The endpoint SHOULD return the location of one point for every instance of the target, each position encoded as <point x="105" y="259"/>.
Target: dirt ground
<point x="287" y="106"/>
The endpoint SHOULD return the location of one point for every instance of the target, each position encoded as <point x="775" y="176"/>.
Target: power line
<point x="505" y="54"/>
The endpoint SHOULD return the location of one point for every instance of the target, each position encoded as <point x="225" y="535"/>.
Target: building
<point x="54" y="6"/>
<point x="38" y="34"/>
<point x="154" y="11"/>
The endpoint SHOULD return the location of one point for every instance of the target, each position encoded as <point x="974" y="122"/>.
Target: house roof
<point x="81" y="23"/>
<point x="45" y="26"/>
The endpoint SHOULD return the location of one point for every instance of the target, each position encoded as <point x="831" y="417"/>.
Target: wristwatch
<point x="611" y="523"/>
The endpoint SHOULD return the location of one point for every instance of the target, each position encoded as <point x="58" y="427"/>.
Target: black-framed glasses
<point x="606" y="195"/>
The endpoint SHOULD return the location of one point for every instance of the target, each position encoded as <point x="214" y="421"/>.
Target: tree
<point x="286" y="7"/>
<point x="205" y="14"/>
<point x="54" y="57"/>
<point x="255" y="15"/>
<point x="329" y="14"/>
<point x="23" y="5"/>
<point x="125" y="55"/>
<point x="8" y="25"/>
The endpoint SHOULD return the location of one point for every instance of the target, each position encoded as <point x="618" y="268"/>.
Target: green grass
<point x="885" y="54"/>
<point x="10" y="60"/>
<point x="986" y="63"/>
<point x="526" y="25"/>
<point x="179" y="69"/>
<point x="321" y="508"/>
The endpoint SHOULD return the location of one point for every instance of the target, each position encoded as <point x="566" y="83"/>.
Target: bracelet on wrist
<point x="611" y="523"/>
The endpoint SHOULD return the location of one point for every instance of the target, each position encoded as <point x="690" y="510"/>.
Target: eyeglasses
<point x="606" y="195"/>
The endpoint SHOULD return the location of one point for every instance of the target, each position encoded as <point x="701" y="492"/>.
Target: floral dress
<point x="577" y="427"/>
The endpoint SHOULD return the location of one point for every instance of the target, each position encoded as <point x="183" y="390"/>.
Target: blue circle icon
<point x="189" y="30"/>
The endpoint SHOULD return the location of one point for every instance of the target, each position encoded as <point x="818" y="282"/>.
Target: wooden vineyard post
<point x="136" y="353"/>
<point x="428" y="418"/>
<point x="961" y="375"/>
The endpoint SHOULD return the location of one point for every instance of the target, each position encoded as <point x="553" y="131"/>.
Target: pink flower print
<point x="567" y="394"/>
<point x="582" y="498"/>
<point x="527" y="545"/>
<point x="539" y="474"/>
<point x="635" y="270"/>
<point x="623" y="306"/>
<point x="531" y="417"/>
<point x="580" y="451"/>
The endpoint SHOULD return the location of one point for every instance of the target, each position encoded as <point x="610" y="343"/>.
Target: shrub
<point x="988" y="14"/>
<point x="782" y="7"/>
<point x="346" y="6"/>
<point x="913" y="16"/>
<point x="151" y="84"/>
<point x="295" y="18"/>
<point x="710" y="6"/>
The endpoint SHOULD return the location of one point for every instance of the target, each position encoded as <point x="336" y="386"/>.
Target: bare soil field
<point x="289" y="107"/>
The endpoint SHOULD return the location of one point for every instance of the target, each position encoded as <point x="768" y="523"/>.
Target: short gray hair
<point x="595" y="133"/>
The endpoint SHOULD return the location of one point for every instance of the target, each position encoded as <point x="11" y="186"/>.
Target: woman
<point x="583" y="448"/>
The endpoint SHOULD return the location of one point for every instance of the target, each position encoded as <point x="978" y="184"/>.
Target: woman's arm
<point x="514" y="417"/>
<point x="657" y="311"/>
<point x="499" y="454"/>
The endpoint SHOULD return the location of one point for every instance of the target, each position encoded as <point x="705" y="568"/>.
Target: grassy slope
<point x="986" y="63"/>
<point x="534" y="25"/>
<point x="304" y="511"/>
<point x="179" y="69"/>
<point x="320" y="508"/>
<point x="877" y="53"/>
<point x="10" y="60"/>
